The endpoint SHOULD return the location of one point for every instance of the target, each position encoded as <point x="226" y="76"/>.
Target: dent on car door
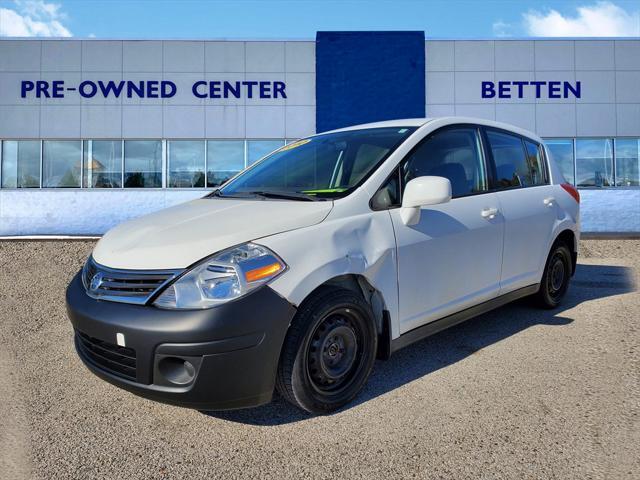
<point x="527" y="203"/>
<point x="451" y="258"/>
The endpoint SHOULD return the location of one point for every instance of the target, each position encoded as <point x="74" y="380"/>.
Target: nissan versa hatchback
<point x="330" y="252"/>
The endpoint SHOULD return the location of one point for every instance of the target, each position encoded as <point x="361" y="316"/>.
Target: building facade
<point x="94" y="132"/>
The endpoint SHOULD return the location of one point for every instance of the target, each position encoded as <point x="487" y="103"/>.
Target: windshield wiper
<point x="286" y="195"/>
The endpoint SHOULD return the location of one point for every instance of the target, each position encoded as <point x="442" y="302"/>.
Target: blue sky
<point x="302" y="18"/>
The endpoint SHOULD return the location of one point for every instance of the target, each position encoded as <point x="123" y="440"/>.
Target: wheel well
<point x="569" y="239"/>
<point x="360" y="285"/>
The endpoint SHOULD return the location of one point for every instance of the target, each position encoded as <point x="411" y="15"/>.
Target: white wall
<point x="182" y="116"/>
<point x="609" y="71"/>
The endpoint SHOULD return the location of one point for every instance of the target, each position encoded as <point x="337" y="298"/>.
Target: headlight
<point x="222" y="277"/>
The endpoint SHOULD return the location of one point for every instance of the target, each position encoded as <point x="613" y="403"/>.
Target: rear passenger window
<point x="514" y="166"/>
<point x="453" y="153"/>
<point x="509" y="159"/>
<point x="536" y="163"/>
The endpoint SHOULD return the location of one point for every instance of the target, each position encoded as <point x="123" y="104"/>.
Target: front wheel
<point x="555" y="279"/>
<point x="329" y="351"/>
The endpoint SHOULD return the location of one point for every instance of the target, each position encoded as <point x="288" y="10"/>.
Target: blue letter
<point x="568" y="88"/>
<point x="58" y="88"/>
<point x="194" y="89"/>
<point x="25" y="87"/>
<point x="92" y="89"/>
<point x="488" y="90"/>
<point x="265" y="91"/>
<point x="278" y="88"/>
<point x="503" y="90"/>
<point x="109" y="87"/>
<point x="170" y="92"/>
<point x="214" y="89"/>
<point x="554" y="90"/>
<point x="235" y="91"/>
<point x="152" y="89"/>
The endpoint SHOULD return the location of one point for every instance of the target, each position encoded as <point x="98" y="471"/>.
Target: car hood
<point x="181" y="235"/>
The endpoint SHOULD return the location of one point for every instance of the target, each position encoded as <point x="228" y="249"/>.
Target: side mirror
<point x="420" y="192"/>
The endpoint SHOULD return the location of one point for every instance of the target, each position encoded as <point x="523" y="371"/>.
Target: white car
<point x="332" y="251"/>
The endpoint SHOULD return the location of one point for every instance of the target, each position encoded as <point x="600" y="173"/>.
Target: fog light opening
<point x="177" y="370"/>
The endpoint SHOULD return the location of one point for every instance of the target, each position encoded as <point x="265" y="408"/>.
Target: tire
<point x="329" y="351"/>
<point x="556" y="276"/>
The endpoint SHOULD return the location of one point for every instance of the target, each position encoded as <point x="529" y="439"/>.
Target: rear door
<point x="527" y="203"/>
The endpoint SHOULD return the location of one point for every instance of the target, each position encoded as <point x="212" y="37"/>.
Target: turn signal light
<point x="263" y="272"/>
<point x="571" y="190"/>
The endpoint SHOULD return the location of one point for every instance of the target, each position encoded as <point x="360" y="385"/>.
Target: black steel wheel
<point x="556" y="276"/>
<point x="329" y="351"/>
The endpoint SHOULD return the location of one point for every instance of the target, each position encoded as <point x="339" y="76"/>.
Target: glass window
<point x="594" y="162"/>
<point x="20" y="164"/>
<point x="454" y="154"/>
<point x="256" y="149"/>
<point x="186" y="164"/>
<point x="328" y="165"/>
<point x="628" y="162"/>
<point x="102" y="163"/>
<point x="561" y="150"/>
<point x="537" y="170"/>
<point x="512" y="169"/>
<point x="225" y="158"/>
<point x="143" y="164"/>
<point x="61" y="163"/>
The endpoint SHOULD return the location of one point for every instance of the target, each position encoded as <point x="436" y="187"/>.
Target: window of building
<point x="561" y="150"/>
<point x="256" y="149"/>
<point x="454" y="154"/>
<point x="594" y="162"/>
<point x="102" y="164"/>
<point x="225" y="158"/>
<point x="186" y="163"/>
<point x="143" y="164"/>
<point x="20" y="164"/>
<point x="628" y="162"/>
<point x="61" y="163"/>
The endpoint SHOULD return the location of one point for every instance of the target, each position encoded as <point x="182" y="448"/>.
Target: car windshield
<point x="320" y="167"/>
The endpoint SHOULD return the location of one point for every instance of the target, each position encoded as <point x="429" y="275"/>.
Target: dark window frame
<point x="492" y="168"/>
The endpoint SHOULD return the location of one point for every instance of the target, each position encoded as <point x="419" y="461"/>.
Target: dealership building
<point x="94" y="132"/>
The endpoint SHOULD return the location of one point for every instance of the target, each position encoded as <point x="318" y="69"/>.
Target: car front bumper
<point x="214" y="359"/>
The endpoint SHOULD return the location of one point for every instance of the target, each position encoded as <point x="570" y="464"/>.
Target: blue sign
<point x="541" y="89"/>
<point x="153" y="89"/>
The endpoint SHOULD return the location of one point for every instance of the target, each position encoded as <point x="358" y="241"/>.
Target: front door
<point x="450" y="260"/>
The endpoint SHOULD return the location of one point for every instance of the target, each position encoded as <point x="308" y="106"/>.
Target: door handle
<point x="489" y="213"/>
<point x="549" y="201"/>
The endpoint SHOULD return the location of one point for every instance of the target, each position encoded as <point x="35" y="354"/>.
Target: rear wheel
<point x="329" y="351"/>
<point x="556" y="276"/>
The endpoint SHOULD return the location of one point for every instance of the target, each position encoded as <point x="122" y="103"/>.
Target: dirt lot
<point x="515" y="393"/>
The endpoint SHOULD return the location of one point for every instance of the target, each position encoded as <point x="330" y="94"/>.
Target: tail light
<point x="571" y="190"/>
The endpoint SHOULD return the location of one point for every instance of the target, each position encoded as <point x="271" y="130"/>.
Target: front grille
<point x="114" y="359"/>
<point x="129" y="286"/>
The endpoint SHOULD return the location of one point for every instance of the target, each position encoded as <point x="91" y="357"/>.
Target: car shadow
<point x="591" y="282"/>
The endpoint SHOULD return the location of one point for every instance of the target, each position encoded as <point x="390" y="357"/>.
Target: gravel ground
<point x="515" y="393"/>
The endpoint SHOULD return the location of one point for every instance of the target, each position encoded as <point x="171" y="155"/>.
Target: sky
<point x="301" y="19"/>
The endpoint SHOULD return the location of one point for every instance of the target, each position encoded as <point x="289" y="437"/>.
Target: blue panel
<point x="368" y="76"/>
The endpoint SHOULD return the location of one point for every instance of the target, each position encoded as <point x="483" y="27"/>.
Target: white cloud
<point x="502" y="29"/>
<point x="602" y="19"/>
<point x="33" y="18"/>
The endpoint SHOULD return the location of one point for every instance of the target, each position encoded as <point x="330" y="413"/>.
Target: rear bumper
<point x="232" y="350"/>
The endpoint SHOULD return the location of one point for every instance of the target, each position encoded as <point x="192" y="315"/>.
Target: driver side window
<point x="453" y="153"/>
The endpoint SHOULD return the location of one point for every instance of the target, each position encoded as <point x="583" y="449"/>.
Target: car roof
<point x="442" y="121"/>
